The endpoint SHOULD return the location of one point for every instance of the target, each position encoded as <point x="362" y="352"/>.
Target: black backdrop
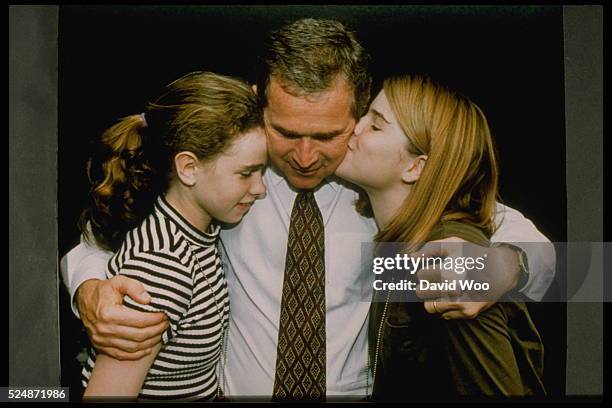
<point x="508" y="59"/>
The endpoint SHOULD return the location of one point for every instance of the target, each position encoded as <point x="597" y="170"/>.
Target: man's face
<point x="308" y="135"/>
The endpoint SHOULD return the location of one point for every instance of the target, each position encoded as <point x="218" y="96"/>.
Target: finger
<point x="122" y="355"/>
<point x="132" y="288"/>
<point x="462" y="310"/>
<point x="437" y="294"/>
<point x="429" y="307"/>
<point x="126" y="346"/>
<point x="429" y="250"/>
<point x="431" y="274"/>
<point x="435" y="273"/>
<point x="425" y="289"/>
<point x="125" y="316"/>
<point x="453" y="315"/>
<point x="427" y="294"/>
<point x="445" y="307"/>
<point x="141" y="334"/>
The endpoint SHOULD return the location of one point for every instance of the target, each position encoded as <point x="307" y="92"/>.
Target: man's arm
<point x="80" y="264"/>
<point x="514" y="228"/>
<point x="503" y="269"/>
<point x="113" y="329"/>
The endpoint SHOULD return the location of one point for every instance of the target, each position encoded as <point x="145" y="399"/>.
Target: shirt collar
<point x="276" y="177"/>
<point x="192" y="233"/>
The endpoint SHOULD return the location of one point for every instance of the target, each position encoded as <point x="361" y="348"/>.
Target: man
<point x="298" y="327"/>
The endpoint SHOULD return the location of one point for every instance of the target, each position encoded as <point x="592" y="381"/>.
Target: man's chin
<point x="304" y="182"/>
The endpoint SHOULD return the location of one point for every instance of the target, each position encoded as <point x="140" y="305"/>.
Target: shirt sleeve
<point x="83" y="262"/>
<point x="167" y="280"/>
<point x="514" y="228"/>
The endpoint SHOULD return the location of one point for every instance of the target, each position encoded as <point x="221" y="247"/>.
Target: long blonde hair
<point x="459" y="179"/>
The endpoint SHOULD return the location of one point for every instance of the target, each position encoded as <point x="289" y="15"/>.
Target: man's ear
<point x="254" y="88"/>
<point x="186" y="165"/>
<point x="413" y="172"/>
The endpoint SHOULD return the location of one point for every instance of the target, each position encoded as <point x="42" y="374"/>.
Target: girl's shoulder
<point x="460" y="229"/>
<point x="156" y="235"/>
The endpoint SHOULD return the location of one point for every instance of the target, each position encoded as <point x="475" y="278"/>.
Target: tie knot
<point x="305" y="195"/>
<point x="306" y="201"/>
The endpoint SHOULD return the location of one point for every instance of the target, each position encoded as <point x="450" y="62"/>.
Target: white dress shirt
<point x="254" y="256"/>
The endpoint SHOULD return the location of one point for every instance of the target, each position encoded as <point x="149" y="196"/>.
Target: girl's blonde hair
<point x="459" y="179"/>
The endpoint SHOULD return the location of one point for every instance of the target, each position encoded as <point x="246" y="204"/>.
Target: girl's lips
<point x="245" y="206"/>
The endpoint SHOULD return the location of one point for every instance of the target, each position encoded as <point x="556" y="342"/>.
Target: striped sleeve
<point x="166" y="279"/>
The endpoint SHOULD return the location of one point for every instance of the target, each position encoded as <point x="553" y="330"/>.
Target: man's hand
<point x="114" y="329"/>
<point x="500" y="272"/>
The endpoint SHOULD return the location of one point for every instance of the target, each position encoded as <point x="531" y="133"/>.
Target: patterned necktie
<point x="300" y="361"/>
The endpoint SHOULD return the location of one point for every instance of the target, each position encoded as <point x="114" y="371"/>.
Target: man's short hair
<point x="307" y="56"/>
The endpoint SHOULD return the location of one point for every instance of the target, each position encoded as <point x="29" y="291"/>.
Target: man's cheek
<point x="278" y="147"/>
<point x="274" y="153"/>
<point x="277" y="160"/>
<point x="337" y="153"/>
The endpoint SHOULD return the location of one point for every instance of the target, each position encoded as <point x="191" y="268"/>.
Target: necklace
<point x="222" y="319"/>
<point x="378" y="345"/>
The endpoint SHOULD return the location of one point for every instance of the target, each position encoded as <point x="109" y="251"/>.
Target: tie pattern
<point x="300" y="361"/>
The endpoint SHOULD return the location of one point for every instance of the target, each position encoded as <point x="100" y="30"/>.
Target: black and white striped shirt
<point x="178" y="265"/>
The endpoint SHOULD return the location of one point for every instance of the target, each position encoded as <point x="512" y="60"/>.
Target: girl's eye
<point x="246" y="174"/>
<point x="374" y="127"/>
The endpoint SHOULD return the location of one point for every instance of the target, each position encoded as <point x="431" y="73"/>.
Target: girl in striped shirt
<point x="160" y="181"/>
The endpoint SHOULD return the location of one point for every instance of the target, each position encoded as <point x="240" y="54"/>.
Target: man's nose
<point x="306" y="155"/>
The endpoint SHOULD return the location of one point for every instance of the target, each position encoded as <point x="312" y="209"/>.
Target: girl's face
<point x="377" y="152"/>
<point x="227" y="186"/>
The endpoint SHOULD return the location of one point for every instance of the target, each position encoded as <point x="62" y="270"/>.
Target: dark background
<point x="508" y="59"/>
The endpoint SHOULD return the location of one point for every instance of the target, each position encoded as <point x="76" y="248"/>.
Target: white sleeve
<point x="85" y="261"/>
<point x="514" y="228"/>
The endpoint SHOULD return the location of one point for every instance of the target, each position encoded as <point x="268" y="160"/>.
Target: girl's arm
<point x="116" y="378"/>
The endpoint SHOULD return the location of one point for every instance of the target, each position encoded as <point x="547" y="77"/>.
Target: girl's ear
<point x="413" y="172"/>
<point x="186" y="165"/>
